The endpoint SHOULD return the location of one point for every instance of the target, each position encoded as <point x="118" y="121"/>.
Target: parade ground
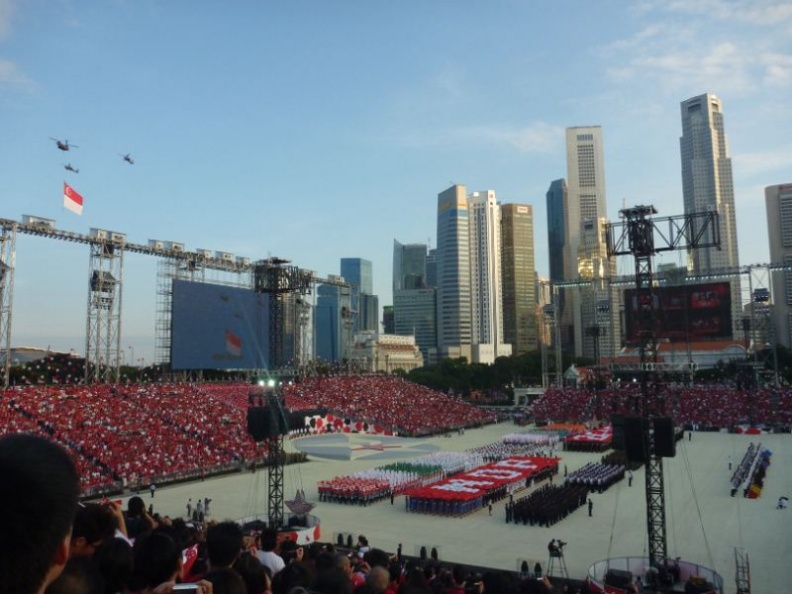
<point x="704" y="523"/>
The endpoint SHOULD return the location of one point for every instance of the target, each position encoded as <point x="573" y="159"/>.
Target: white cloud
<point x="756" y="12"/>
<point x="737" y="46"/>
<point x="749" y="164"/>
<point x="536" y="138"/>
<point x="10" y="75"/>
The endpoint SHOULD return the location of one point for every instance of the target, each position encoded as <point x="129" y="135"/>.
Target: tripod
<point x="556" y="561"/>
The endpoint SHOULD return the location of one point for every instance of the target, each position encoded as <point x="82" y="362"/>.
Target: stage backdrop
<point x="218" y="327"/>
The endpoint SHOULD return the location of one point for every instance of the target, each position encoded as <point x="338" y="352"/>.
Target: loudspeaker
<point x="634" y="439"/>
<point x="617" y="443"/>
<point x="279" y="421"/>
<point x="665" y="444"/>
<point x="261" y="424"/>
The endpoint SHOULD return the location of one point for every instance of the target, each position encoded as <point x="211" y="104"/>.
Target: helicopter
<point x="128" y="158"/>
<point x="69" y="167"/>
<point x="63" y="144"/>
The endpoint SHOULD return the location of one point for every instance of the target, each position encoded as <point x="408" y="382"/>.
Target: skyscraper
<point x="333" y="322"/>
<point x="585" y="204"/>
<point x="486" y="327"/>
<point x="557" y="233"/>
<point x="520" y="327"/>
<point x="414" y="304"/>
<point x="707" y="186"/>
<point x="409" y="265"/>
<point x="359" y="274"/>
<point x="778" y="202"/>
<point x="453" y="273"/>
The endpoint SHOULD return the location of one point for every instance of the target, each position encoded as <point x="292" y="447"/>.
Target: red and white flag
<point x="233" y="344"/>
<point x="72" y="199"/>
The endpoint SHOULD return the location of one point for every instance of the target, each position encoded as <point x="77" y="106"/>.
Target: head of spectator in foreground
<point x="38" y="496"/>
<point x="157" y="560"/>
<point x="268" y="539"/>
<point x="94" y="525"/>
<point x="377" y="580"/>
<point x="114" y="560"/>
<point x="226" y="581"/>
<point x="224" y="544"/>
<point x="256" y="576"/>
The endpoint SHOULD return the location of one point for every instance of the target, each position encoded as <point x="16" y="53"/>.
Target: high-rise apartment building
<point x="486" y="322"/>
<point x="707" y="186"/>
<point x="453" y="274"/>
<point x="585" y="204"/>
<point x="520" y="322"/>
<point x="778" y="202"/>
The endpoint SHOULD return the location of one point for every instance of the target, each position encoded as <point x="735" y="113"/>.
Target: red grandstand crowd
<point x="192" y="430"/>
<point x="703" y="406"/>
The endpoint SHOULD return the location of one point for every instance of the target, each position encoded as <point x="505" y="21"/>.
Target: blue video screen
<point x="218" y="327"/>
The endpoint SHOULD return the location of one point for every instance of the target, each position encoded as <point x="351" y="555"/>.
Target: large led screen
<point x="218" y="327"/>
<point x="685" y="312"/>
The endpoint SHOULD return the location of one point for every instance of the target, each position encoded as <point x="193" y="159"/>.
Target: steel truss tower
<point x="636" y="237"/>
<point x="7" y="260"/>
<point x="103" y="329"/>
<point x="168" y="270"/>
<point x="285" y="285"/>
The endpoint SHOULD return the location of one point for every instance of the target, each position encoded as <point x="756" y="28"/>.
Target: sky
<point x="314" y="130"/>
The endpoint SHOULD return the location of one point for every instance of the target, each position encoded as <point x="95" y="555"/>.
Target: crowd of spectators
<point x="102" y="425"/>
<point x="706" y="406"/>
<point x="380" y="400"/>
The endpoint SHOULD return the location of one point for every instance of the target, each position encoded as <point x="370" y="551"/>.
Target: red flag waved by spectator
<point x="72" y="199"/>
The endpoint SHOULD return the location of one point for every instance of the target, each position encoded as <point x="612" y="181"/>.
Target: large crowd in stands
<point x="380" y="400"/>
<point x="710" y="406"/>
<point x="103" y="425"/>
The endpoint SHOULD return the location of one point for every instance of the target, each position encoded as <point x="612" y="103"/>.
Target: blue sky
<point x="316" y="130"/>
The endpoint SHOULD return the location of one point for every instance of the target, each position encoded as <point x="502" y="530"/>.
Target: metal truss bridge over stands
<point x="106" y="278"/>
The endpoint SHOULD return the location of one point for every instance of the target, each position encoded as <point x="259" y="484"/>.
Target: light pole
<point x="132" y="361"/>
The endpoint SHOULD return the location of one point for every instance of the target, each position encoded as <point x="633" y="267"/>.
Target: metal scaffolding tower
<point x="168" y="270"/>
<point x="642" y="237"/>
<point x="103" y="327"/>
<point x="284" y="285"/>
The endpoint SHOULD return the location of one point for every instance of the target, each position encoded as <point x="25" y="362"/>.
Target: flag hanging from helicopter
<point x="72" y="199"/>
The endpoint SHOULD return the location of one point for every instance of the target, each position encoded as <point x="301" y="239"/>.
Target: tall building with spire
<point x="707" y="186"/>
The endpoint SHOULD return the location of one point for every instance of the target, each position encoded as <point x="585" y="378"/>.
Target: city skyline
<point x="269" y="130"/>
